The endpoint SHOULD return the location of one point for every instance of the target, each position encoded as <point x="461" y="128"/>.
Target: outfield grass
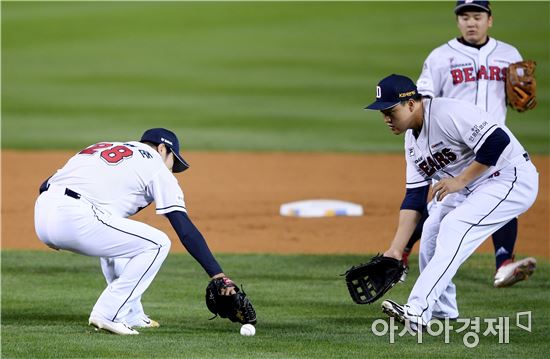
<point x="303" y="309"/>
<point x="233" y="75"/>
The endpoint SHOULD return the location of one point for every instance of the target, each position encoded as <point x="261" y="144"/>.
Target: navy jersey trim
<point x="482" y="136"/>
<point x="428" y="139"/>
<point x="491" y="150"/>
<point x="423" y="181"/>
<point x="172" y="206"/>
<point x="428" y="127"/>
<point x="487" y="97"/>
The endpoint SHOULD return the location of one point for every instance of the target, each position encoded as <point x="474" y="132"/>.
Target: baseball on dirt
<point x="248" y="330"/>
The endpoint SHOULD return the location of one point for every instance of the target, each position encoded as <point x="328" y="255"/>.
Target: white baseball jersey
<point x="122" y="178"/>
<point x="463" y="72"/>
<point x="452" y="133"/>
<point x="85" y="210"/>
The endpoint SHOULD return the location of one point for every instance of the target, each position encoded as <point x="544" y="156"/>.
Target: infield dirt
<point x="234" y="199"/>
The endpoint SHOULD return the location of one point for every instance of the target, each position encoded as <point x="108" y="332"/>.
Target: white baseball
<point x="248" y="330"/>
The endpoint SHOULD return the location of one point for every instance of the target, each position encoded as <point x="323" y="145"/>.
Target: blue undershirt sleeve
<point x="415" y="198"/>
<point x="193" y="241"/>
<point x="493" y="147"/>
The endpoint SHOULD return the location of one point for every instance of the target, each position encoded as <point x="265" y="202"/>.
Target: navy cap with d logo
<point x="471" y="5"/>
<point x="169" y="138"/>
<point x="391" y="91"/>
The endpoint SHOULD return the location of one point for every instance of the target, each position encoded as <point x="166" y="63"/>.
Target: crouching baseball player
<point x="484" y="179"/>
<point x="484" y="71"/>
<point x="84" y="208"/>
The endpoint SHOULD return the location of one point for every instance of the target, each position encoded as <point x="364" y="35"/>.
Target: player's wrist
<point x="462" y="181"/>
<point x="219" y="275"/>
<point x="393" y="253"/>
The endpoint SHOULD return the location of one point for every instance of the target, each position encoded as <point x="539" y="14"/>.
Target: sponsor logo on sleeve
<point x="476" y="130"/>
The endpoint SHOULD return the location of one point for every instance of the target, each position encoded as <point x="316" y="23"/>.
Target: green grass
<point x="291" y="76"/>
<point x="303" y="308"/>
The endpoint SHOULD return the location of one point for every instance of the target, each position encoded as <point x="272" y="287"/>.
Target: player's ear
<point x="161" y="148"/>
<point x="490" y="21"/>
<point x="411" y="104"/>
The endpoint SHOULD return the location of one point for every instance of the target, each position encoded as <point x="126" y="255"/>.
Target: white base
<point x="320" y="208"/>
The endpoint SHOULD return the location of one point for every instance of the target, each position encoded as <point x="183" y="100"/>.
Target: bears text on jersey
<point x="468" y="74"/>
<point x="437" y="161"/>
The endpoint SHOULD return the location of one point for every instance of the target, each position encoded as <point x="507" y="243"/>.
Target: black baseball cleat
<point x="392" y="309"/>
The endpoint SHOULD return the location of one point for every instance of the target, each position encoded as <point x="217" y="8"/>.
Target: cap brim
<point x="473" y="7"/>
<point x="180" y="164"/>
<point x="376" y="105"/>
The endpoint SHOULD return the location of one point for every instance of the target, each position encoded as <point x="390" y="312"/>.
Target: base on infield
<point x="315" y="208"/>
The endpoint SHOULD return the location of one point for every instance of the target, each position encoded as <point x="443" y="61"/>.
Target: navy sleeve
<point x="193" y="241"/>
<point x="493" y="147"/>
<point x="415" y="198"/>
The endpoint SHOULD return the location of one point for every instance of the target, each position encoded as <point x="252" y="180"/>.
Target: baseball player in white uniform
<point x="84" y="208"/>
<point x="473" y="68"/>
<point x="484" y="179"/>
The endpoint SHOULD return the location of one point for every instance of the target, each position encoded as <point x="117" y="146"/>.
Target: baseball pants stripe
<point x="446" y="305"/>
<point x="465" y="228"/>
<point x="76" y="225"/>
<point x="112" y="268"/>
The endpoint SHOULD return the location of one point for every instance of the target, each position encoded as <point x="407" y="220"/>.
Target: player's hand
<point x="228" y="288"/>
<point x="228" y="291"/>
<point x="447" y="186"/>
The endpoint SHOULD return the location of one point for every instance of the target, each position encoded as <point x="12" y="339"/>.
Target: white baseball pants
<point x="446" y="305"/>
<point x="462" y="230"/>
<point x="76" y="225"/>
<point x="112" y="268"/>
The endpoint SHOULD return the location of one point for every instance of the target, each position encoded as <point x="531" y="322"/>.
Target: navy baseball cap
<point x="391" y="91"/>
<point x="169" y="138"/>
<point x="470" y="5"/>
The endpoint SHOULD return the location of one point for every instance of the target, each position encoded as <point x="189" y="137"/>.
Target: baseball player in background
<point x="84" y="208"/>
<point x="484" y="179"/>
<point x="473" y="68"/>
